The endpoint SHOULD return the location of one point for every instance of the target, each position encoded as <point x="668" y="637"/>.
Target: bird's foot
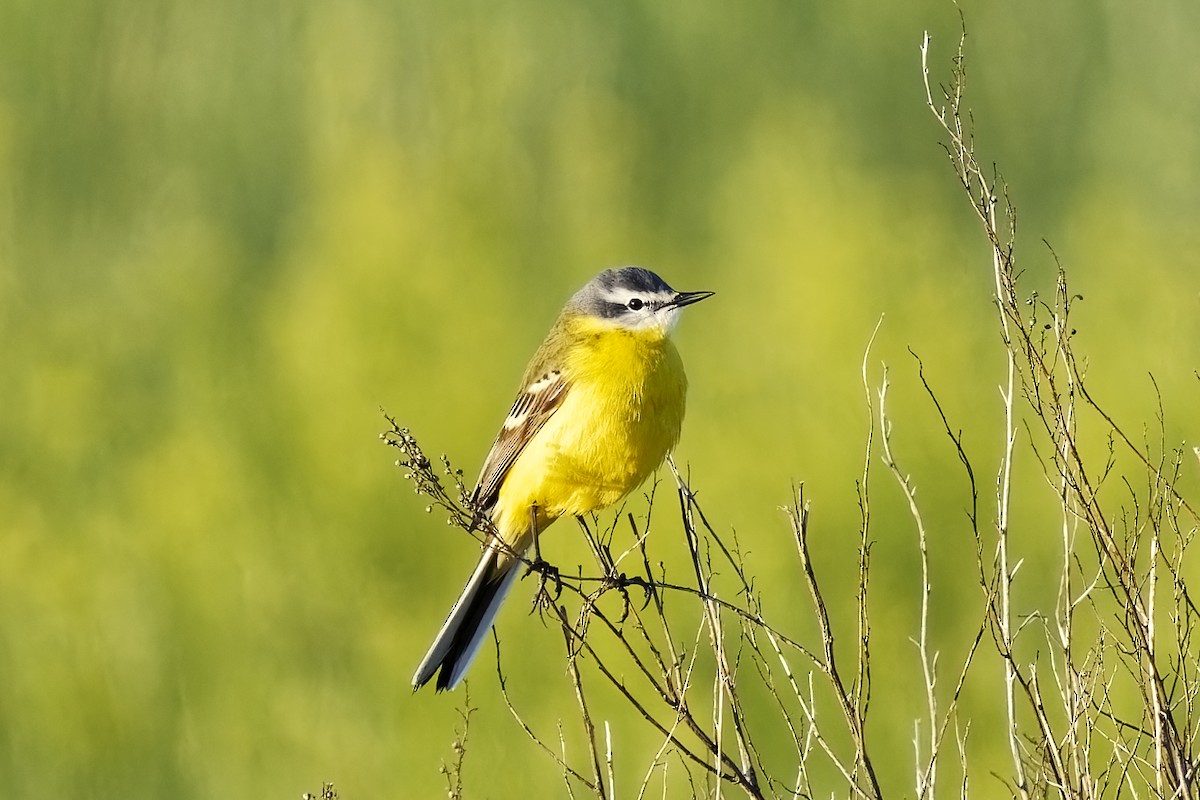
<point x="547" y="574"/>
<point x="621" y="583"/>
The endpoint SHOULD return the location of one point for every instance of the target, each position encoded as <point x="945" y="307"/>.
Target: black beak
<point x="687" y="298"/>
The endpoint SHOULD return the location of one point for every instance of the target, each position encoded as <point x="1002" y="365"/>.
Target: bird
<point x="601" y="405"/>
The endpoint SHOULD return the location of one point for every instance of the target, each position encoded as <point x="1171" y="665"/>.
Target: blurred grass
<point x="230" y="232"/>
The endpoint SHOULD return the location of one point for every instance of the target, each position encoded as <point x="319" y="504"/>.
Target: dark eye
<point x="636" y="304"/>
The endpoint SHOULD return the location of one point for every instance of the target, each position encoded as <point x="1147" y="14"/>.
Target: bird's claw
<point x="547" y="573"/>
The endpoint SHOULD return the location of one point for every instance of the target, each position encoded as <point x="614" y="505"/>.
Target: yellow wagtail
<point x="600" y="406"/>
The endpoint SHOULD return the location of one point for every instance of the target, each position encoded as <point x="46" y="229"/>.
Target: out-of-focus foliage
<point x="230" y="232"/>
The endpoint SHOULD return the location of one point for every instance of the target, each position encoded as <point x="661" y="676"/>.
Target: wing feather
<point x="533" y="407"/>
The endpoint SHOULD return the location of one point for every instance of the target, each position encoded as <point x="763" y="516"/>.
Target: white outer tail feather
<point x="450" y="632"/>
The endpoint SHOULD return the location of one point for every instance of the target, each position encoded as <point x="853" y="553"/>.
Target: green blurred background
<point x="230" y="232"/>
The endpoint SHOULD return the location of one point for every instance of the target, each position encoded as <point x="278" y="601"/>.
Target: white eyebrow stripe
<point x="621" y="296"/>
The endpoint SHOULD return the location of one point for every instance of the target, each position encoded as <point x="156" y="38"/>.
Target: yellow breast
<point x="621" y="416"/>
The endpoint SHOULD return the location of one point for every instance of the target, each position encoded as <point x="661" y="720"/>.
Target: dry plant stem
<point x="1130" y="566"/>
<point x="562" y="748"/>
<point x="560" y="760"/>
<point x="669" y="682"/>
<point x="668" y="676"/>
<point x="812" y="736"/>
<point x="961" y="151"/>
<point x="1168" y="485"/>
<point x="926" y="777"/>
<point x="1072" y="687"/>
<point x="725" y="689"/>
<point x="709" y="744"/>
<point x="939" y="723"/>
<point x="453" y="772"/>
<point x="585" y="714"/>
<point x="608" y="756"/>
<point x="956" y="438"/>
<point x="827" y="664"/>
<point x="862" y="680"/>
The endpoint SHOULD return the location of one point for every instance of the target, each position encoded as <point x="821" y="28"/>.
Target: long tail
<point x="461" y="636"/>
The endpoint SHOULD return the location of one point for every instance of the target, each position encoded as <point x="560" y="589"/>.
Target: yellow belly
<point x="619" y="419"/>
